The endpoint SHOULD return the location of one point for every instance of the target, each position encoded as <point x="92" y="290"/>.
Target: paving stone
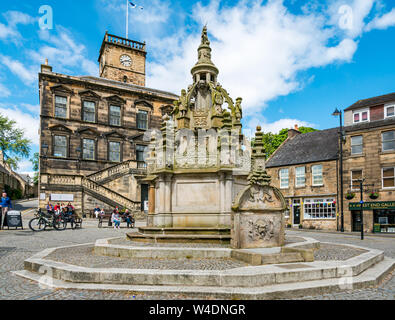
<point x="18" y="245"/>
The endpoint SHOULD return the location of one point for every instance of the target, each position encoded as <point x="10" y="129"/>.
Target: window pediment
<point x="114" y="134"/>
<point x="61" y="89"/>
<point x="60" y="128"/>
<point x="115" y="99"/>
<point x="143" y="103"/>
<point x="89" y="94"/>
<point x="88" y="131"/>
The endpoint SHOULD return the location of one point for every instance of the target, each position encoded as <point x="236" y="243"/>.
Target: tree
<point x="13" y="143"/>
<point x="272" y="141"/>
<point x="35" y="162"/>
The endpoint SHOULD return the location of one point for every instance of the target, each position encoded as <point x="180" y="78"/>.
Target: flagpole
<point x="127" y="19"/>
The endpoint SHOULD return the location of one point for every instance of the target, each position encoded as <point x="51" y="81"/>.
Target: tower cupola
<point x="204" y="69"/>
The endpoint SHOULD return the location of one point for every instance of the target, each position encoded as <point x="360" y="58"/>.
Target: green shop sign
<point x="372" y="205"/>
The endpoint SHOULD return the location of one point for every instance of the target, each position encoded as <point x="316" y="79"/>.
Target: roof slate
<point x="372" y="101"/>
<point x="305" y="148"/>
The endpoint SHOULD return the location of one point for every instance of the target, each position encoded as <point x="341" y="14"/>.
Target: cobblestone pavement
<point x="328" y="252"/>
<point x="386" y="291"/>
<point x="84" y="256"/>
<point x="18" y="245"/>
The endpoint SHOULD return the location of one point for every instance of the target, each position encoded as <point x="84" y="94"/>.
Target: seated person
<point x="129" y="218"/>
<point x="57" y="209"/>
<point x="50" y="208"/>
<point x="70" y="208"/>
<point x="96" y="211"/>
<point x="116" y="219"/>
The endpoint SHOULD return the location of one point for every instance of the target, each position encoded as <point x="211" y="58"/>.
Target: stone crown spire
<point x="205" y="69"/>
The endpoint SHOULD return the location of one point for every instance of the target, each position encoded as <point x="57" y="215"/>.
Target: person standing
<point x="5" y="205"/>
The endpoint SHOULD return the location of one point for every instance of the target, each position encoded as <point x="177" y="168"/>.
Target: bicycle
<point x="44" y="220"/>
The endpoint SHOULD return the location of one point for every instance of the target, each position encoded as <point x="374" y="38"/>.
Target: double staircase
<point x="93" y="184"/>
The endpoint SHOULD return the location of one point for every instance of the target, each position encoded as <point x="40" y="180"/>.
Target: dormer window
<point x="389" y="111"/>
<point x="361" y="116"/>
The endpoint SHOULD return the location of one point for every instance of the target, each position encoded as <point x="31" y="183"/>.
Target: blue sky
<point x="292" y="61"/>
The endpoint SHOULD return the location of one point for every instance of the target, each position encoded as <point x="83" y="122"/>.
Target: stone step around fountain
<point x="177" y="238"/>
<point x="368" y="278"/>
<point x="243" y="277"/>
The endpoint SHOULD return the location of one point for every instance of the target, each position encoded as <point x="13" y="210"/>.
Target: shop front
<point x="383" y="215"/>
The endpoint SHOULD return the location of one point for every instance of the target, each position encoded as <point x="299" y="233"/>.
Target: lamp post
<point x="361" y="189"/>
<point x="336" y="113"/>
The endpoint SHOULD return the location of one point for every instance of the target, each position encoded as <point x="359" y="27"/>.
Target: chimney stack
<point x="293" y="132"/>
<point x="46" y="68"/>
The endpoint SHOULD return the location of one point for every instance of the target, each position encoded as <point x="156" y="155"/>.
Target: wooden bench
<point x="107" y="218"/>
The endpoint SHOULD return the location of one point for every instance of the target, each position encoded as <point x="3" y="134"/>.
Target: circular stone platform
<point x="209" y="270"/>
<point x="84" y="256"/>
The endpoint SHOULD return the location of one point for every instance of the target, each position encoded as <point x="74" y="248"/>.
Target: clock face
<point x="126" y="61"/>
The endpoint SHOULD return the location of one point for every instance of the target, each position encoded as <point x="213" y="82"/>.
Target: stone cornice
<point x="110" y="86"/>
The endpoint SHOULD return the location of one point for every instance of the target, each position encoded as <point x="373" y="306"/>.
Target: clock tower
<point x="122" y="60"/>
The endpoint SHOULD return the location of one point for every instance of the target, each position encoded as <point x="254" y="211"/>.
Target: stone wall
<point x="74" y="129"/>
<point x="327" y="190"/>
<point x="371" y="162"/>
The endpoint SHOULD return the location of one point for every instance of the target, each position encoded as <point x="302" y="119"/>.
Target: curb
<point x="366" y="234"/>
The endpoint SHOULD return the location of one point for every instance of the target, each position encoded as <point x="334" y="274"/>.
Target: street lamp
<point x="336" y="113"/>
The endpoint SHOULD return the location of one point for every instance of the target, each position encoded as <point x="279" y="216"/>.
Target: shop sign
<point x="378" y="205"/>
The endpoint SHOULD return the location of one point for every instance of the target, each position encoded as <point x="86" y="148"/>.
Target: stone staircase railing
<point x="98" y="191"/>
<point x="115" y="171"/>
<point x="108" y="196"/>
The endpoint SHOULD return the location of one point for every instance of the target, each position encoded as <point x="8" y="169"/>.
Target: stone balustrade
<point x="109" y="194"/>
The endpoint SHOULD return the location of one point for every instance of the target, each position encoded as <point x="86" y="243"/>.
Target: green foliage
<point x="271" y="141"/>
<point x="12" y="142"/>
<point x="35" y="162"/>
<point x="14" y="194"/>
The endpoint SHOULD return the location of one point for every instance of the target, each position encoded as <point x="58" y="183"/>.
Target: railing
<point x="111" y="195"/>
<point x="63" y="180"/>
<point x="110" y="171"/>
<point x="126" y="42"/>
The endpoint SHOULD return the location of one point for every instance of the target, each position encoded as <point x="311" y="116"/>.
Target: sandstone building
<point x="92" y="130"/>
<point x="304" y="168"/>
<point x="369" y="153"/>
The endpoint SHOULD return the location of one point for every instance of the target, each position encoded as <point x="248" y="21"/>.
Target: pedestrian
<point x="5" y="204"/>
<point x="116" y="219"/>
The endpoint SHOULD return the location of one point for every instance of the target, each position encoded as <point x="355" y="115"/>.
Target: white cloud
<point x="4" y="92"/>
<point x="35" y="109"/>
<point x="25" y="167"/>
<point x="25" y="121"/>
<point x="7" y="32"/>
<point x="16" y="17"/>
<point x="260" y="49"/>
<point x="27" y="75"/>
<point x="10" y="32"/>
<point x="383" y="22"/>
<point x="64" y="53"/>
